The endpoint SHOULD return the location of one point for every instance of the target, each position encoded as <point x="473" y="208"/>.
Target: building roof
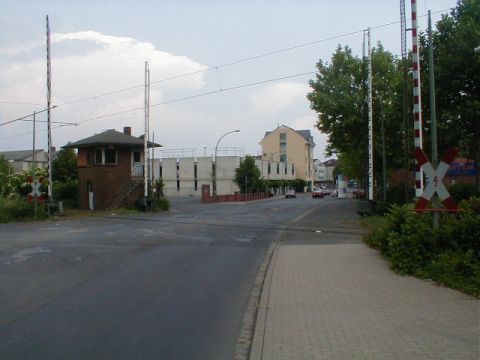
<point x="110" y="137"/>
<point x="303" y="133"/>
<point x="330" y="163"/>
<point x="19" y="155"/>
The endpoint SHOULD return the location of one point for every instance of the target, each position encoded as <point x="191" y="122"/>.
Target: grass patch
<point x="373" y="222"/>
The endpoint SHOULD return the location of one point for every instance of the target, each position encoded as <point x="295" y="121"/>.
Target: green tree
<point x="6" y="172"/>
<point x="339" y="97"/>
<point x="247" y="176"/>
<point x="64" y="167"/>
<point x="457" y="80"/>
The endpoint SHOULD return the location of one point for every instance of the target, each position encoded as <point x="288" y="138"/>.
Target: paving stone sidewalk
<point x="341" y="301"/>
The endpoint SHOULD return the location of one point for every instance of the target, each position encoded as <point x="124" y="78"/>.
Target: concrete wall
<point x="184" y="181"/>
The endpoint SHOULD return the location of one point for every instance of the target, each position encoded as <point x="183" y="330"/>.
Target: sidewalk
<point x="341" y="301"/>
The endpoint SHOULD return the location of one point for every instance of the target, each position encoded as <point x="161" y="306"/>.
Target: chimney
<point x="127" y="130"/>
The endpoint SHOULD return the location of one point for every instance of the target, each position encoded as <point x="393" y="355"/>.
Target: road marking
<point x="308" y="212"/>
<point x="26" y="254"/>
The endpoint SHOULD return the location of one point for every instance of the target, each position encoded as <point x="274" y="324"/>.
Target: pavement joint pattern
<point x="341" y="301"/>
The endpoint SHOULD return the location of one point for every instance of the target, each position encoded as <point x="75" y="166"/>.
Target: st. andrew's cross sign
<point x="435" y="184"/>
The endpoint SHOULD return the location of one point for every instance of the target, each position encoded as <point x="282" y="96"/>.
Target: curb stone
<point x="247" y="331"/>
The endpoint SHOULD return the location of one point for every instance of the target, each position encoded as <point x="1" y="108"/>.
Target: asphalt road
<point x="154" y="286"/>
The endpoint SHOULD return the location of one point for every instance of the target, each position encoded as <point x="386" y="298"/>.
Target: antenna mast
<point x="49" y="95"/>
<point x="146" y="163"/>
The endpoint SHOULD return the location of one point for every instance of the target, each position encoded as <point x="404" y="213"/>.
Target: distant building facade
<point x="23" y="160"/>
<point x="286" y="145"/>
<point x="185" y="176"/>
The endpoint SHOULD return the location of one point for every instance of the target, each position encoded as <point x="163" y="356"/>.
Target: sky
<point x="215" y="66"/>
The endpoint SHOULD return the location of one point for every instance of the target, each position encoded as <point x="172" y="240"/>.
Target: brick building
<point x="110" y="169"/>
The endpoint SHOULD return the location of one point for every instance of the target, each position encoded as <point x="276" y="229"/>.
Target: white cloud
<point x="308" y="122"/>
<point x="86" y="64"/>
<point x="278" y="97"/>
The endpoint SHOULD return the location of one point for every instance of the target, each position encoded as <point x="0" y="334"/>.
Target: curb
<point x="243" y="347"/>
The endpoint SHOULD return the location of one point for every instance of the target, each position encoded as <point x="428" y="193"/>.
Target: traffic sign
<point x="435" y="176"/>
<point x="35" y="194"/>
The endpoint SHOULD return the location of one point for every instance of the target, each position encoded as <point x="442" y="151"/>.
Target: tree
<point x="6" y="171"/>
<point x="247" y="176"/>
<point x="457" y="80"/>
<point x="339" y="97"/>
<point x="64" y="167"/>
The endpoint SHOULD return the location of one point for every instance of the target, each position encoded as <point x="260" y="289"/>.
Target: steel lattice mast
<point x="49" y="103"/>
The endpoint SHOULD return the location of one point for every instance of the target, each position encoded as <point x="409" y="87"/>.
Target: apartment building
<point x="289" y="146"/>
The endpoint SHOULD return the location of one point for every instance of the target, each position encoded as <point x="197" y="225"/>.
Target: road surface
<point x="150" y="286"/>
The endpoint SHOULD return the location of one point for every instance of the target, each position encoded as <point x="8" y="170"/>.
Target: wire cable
<point x="172" y="101"/>
<point x="275" y="52"/>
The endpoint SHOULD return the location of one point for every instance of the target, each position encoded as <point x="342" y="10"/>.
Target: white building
<point x="184" y="176"/>
<point x="22" y="160"/>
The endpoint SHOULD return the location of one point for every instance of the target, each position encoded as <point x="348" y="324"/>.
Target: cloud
<point x="278" y="97"/>
<point x="86" y="64"/>
<point x="308" y="122"/>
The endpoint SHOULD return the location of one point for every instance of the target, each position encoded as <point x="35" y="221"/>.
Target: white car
<point x="290" y="194"/>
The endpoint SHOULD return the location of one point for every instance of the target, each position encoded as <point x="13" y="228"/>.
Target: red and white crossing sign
<point x="35" y="194"/>
<point x="435" y="176"/>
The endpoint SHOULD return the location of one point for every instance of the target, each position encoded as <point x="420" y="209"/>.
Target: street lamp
<point x="215" y="168"/>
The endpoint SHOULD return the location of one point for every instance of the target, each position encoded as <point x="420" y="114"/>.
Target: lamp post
<point x="215" y="168"/>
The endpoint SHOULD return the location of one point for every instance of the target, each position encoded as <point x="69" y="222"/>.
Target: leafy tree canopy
<point x="64" y="167"/>
<point x="247" y="176"/>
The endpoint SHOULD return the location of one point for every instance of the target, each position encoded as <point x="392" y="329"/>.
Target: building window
<point x="293" y="169"/>
<point x="98" y="156"/>
<point x="110" y="156"/>
<point x="196" y="184"/>
<point x="286" y="169"/>
<point x="136" y="156"/>
<point x="178" y="185"/>
<point x="104" y="156"/>
<point x="269" y="169"/>
<point x="161" y="171"/>
<point x="278" y="168"/>
<point x="195" y="171"/>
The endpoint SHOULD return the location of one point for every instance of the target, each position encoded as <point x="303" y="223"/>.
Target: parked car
<point x="318" y="193"/>
<point x="290" y="194"/>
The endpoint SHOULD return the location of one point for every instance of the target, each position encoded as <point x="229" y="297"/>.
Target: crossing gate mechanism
<point x="435" y="177"/>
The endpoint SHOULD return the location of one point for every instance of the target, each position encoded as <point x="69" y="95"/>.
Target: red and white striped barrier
<point x="417" y="100"/>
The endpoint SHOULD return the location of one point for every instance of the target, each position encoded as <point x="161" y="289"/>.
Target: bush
<point x="18" y="209"/>
<point x="66" y="190"/>
<point x="461" y="192"/>
<point x="449" y="255"/>
<point x="161" y="204"/>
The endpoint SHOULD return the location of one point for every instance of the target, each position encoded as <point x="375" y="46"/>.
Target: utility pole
<point x="35" y="205"/>
<point x="384" y="155"/>
<point x="146" y="163"/>
<point x="370" y="120"/>
<point x="433" y="113"/>
<point x="49" y="96"/>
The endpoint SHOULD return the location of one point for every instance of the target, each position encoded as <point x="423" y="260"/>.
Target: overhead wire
<point x="173" y="101"/>
<point x="251" y="58"/>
